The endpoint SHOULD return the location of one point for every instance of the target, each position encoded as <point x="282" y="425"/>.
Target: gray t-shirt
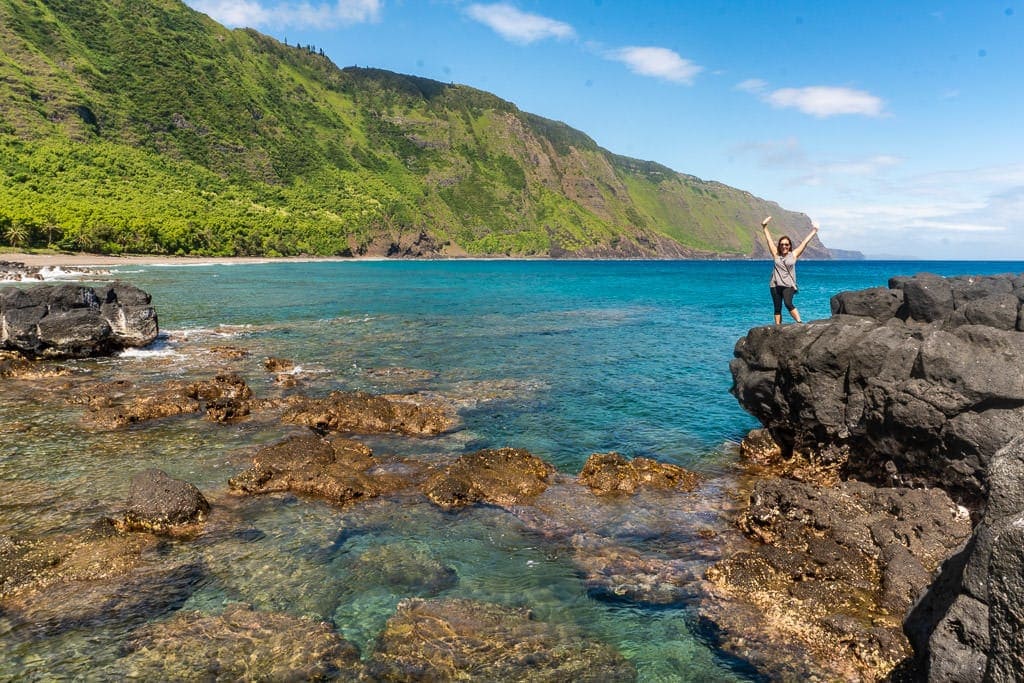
<point x="784" y="272"/>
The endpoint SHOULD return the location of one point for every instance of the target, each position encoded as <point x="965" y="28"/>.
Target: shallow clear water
<point x="561" y="358"/>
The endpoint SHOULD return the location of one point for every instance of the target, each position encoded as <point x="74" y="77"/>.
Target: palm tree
<point x="16" y="234"/>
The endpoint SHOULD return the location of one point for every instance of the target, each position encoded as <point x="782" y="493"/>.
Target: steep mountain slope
<point x="144" y="126"/>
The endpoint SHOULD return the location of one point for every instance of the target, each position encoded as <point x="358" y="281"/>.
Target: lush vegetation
<point x="142" y="126"/>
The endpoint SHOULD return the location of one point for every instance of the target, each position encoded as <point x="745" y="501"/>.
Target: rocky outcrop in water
<point x="919" y="384"/>
<point x="362" y="413"/>
<point x="924" y="381"/>
<point x="158" y="502"/>
<point x="340" y="470"/>
<point x="502" y="476"/>
<point x="607" y="473"/>
<point x="75" y="321"/>
<point x="16" y="271"/>
<point x="449" y="640"/>
<point x="837" y="567"/>
<point x="113" y="405"/>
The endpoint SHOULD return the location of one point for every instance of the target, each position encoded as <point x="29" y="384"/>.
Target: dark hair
<point x="778" y="247"/>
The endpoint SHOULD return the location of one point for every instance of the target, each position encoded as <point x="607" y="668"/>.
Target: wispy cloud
<point x="753" y="85"/>
<point x="821" y="101"/>
<point x="303" y="14"/>
<point x="978" y="214"/>
<point x="518" y="26"/>
<point x="658" y="62"/>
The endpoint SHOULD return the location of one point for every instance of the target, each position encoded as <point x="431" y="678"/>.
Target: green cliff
<point x="143" y="126"/>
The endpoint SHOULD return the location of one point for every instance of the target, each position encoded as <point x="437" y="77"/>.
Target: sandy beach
<point x="80" y="260"/>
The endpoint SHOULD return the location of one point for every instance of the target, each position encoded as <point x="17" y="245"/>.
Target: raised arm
<point x="803" y="245"/>
<point x="768" y="237"/>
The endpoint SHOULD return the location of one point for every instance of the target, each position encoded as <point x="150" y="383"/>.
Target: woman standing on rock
<point x="783" y="283"/>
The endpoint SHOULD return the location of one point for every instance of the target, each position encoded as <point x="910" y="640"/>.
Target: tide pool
<point x="564" y="359"/>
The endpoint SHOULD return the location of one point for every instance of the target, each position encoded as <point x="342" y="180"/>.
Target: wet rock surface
<point x="607" y="473"/>
<point x="969" y="625"/>
<point x="97" y="553"/>
<point x="837" y="568"/>
<point x="114" y="405"/>
<point x="919" y="384"/>
<point x="75" y="321"/>
<point x="469" y="640"/>
<point x="14" y="366"/>
<point x="159" y="503"/>
<point x="239" y="644"/>
<point x="924" y="381"/>
<point x="362" y="413"/>
<point x="502" y="476"/>
<point x="339" y="470"/>
<point x="15" y="271"/>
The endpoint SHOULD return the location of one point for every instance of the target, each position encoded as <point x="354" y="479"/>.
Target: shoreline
<point x="82" y="260"/>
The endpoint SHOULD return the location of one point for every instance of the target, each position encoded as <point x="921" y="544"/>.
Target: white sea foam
<point x="148" y="352"/>
<point x="59" y="273"/>
<point x="159" y="348"/>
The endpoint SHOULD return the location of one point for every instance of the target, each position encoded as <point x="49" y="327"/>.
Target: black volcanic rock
<point x="922" y="385"/>
<point x="968" y="625"/>
<point x="75" y="321"/>
<point x="158" y="502"/>
<point x="924" y="381"/>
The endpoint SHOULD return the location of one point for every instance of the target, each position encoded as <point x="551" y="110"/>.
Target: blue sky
<point x="898" y="126"/>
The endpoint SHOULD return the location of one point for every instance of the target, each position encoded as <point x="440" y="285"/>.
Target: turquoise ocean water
<point x="564" y="359"/>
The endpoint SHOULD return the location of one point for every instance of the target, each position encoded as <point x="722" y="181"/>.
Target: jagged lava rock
<point x="75" y="321"/>
<point x="924" y="381"/>
<point x="969" y="625"/>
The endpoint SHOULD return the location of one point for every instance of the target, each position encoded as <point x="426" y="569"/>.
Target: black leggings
<point x="780" y="294"/>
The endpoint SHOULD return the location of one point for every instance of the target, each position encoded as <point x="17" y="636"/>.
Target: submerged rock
<point x="606" y="473"/>
<point x="340" y="470"/>
<point x="240" y="644"/>
<point x="404" y="568"/>
<point x="362" y="413"/>
<point x="143" y="593"/>
<point x="75" y="321"/>
<point x="617" y="572"/>
<point x="98" y="553"/>
<point x="503" y="476"/>
<point x="445" y="640"/>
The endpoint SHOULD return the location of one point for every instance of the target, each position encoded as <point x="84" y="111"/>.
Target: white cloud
<point x="753" y="85"/>
<point x="518" y="26"/>
<point x="658" y="62"/>
<point x="304" y="14"/>
<point x="823" y="101"/>
<point x="912" y="220"/>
